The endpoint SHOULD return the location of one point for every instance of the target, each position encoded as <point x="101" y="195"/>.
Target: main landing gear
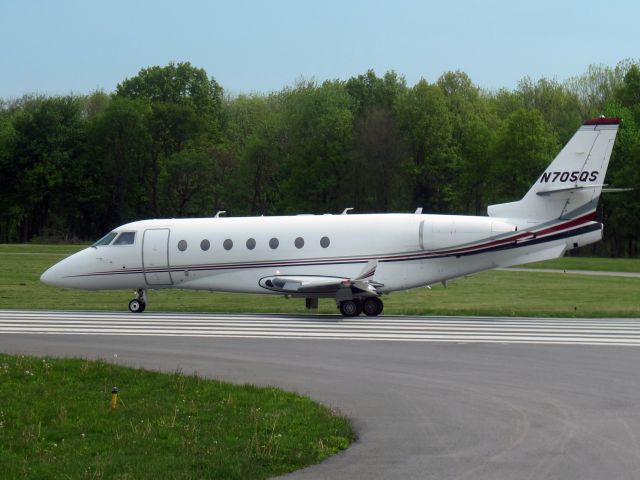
<point x="370" y="306"/>
<point x="139" y="303"/>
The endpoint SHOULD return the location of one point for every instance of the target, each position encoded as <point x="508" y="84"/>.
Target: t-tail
<point x="570" y="187"/>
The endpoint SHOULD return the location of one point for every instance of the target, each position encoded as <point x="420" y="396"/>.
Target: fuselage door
<point x="155" y="257"/>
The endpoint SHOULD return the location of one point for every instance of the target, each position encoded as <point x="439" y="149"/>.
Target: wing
<point x="323" y="285"/>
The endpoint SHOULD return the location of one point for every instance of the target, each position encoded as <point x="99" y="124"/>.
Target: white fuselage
<point x="237" y="254"/>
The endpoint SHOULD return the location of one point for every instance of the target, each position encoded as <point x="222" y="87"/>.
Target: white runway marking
<point x="404" y="329"/>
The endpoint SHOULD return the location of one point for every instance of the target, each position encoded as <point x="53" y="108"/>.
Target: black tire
<point x="136" y="306"/>
<point x="372" y="306"/>
<point x="350" y="308"/>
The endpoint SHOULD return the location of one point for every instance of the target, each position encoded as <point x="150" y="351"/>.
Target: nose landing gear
<point x="139" y="303"/>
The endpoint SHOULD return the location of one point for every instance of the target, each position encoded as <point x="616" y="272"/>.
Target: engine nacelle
<point x="438" y="232"/>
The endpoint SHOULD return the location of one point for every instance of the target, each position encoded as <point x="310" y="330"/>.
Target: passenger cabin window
<point x="106" y="240"/>
<point x="125" y="238"/>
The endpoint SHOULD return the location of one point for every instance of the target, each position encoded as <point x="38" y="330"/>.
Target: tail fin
<point x="571" y="185"/>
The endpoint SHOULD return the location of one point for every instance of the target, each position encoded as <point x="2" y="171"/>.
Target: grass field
<point x="587" y="263"/>
<point x="56" y="421"/>
<point x="489" y="293"/>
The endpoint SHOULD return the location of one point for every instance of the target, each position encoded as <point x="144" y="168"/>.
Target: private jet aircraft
<point x="354" y="259"/>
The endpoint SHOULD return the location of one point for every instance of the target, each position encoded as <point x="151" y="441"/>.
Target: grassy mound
<point x="56" y="421"/>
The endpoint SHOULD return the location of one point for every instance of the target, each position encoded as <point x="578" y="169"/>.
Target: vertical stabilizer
<point x="571" y="185"/>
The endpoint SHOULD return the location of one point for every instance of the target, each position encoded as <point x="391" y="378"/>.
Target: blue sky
<point x="63" y="46"/>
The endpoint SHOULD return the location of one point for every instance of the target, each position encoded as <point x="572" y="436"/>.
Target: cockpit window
<point x="125" y="238"/>
<point x="106" y="240"/>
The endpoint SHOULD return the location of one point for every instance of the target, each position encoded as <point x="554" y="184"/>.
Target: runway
<point x="385" y="328"/>
<point x="436" y="398"/>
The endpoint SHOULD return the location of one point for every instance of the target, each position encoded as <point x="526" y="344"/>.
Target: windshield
<point x="106" y="240"/>
<point x="125" y="238"/>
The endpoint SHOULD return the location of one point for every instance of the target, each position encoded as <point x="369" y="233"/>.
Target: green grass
<point x="489" y="293"/>
<point x="588" y="263"/>
<point x="56" y="422"/>
<point x="498" y="293"/>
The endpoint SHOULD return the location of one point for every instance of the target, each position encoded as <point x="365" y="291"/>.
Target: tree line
<point x="170" y="143"/>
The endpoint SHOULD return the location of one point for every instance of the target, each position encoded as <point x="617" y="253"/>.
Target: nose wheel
<point x="139" y="303"/>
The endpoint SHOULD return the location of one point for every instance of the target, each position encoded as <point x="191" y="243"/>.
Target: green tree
<point x="177" y="83"/>
<point x="597" y="86"/>
<point x="628" y="94"/>
<point x="168" y="143"/>
<point x="473" y="140"/>
<point x="424" y="119"/>
<point x="9" y="210"/>
<point x="524" y="147"/>
<point x="369" y="90"/>
<point x="503" y="103"/>
<point x="318" y="121"/>
<point x="120" y="148"/>
<point x="255" y="139"/>
<point x="261" y="168"/>
<point x="46" y="165"/>
<point x="560" y="108"/>
<point x="621" y="211"/>
<point x="95" y="103"/>
<point x="375" y="171"/>
<point x="185" y="182"/>
<point x="171" y="127"/>
<point x="186" y="110"/>
<point x="378" y="150"/>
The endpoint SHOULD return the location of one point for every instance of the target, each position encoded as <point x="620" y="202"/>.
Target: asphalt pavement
<point x="452" y="408"/>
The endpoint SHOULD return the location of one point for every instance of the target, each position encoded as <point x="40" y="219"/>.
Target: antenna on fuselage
<point x="418" y="211"/>
<point x="346" y="210"/>
<point x="220" y="212"/>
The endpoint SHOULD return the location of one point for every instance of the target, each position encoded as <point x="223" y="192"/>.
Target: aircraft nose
<point x="71" y="271"/>
<point x="50" y="277"/>
<point x="62" y="274"/>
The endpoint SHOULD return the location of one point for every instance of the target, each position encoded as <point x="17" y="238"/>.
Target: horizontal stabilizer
<point x="568" y="189"/>
<point x="616" y="190"/>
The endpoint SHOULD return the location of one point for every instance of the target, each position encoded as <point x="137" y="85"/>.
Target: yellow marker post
<point x="114" y="398"/>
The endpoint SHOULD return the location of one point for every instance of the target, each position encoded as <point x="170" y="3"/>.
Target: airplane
<point x="353" y="258"/>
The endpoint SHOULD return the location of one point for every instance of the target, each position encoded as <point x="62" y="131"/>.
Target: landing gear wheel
<point x="139" y="302"/>
<point x="137" y="306"/>
<point x="372" y="306"/>
<point x="350" y="308"/>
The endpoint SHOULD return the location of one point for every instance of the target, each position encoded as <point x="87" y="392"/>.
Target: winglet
<point x="365" y="281"/>
<point x="369" y="271"/>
